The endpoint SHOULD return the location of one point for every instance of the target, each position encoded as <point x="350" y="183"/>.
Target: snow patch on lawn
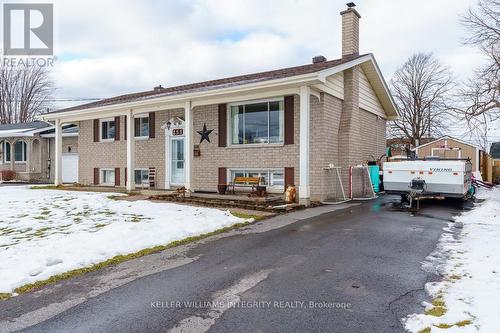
<point x="470" y="264"/>
<point x="48" y="232"/>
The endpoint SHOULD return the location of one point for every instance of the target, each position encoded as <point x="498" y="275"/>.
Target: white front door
<point x="177" y="174"/>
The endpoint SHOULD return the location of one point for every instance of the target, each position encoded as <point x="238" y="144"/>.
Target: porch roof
<point x="23" y="129"/>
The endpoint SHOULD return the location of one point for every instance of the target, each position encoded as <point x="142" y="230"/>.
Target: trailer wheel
<point x="404" y="198"/>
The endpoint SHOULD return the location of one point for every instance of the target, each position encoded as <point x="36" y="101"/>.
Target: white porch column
<point x="58" y="153"/>
<point x="188" y="144"/>
<point x="130" y="151"/>
<point x="304" y="187"/>
<point x="29" y="149"/>
<point x="12" y="155"/>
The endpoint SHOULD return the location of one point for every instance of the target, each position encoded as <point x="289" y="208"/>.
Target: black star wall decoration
<point x="205" y="133"/>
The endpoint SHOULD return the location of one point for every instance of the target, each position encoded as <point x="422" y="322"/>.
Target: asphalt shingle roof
<point x="24" y="126"/>
<point x="213" y="84"/>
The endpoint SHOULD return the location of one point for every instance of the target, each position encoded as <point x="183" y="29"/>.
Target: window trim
<point x="143" y="137"/>
<point x="269" y="188"/>
<point x="229" y="127"/>
<point x="101" y="176"/>
<point x="103" y="120"/>
<point x="141" y="169"/>
<point x="24" y="152"/>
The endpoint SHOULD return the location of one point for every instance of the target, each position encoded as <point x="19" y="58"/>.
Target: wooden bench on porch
<point x="252" y="182"/>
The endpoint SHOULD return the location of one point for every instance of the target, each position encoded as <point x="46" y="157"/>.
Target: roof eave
<point x="181" y="98"/>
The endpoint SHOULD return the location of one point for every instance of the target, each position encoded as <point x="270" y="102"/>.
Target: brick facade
<point x="325" y="147"/>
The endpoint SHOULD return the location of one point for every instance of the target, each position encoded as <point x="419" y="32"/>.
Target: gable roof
<point x="218" y="83"/>
<point x="290" y="75"/>
<point x="495" y="150"/>
<point x="450" y="138"/>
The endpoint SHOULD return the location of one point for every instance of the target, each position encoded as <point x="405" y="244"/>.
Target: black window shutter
<point x="96" y="176"/>
<point x="117" y="128"/>
<point x="96" y="130"/>
<point x="222" y="176"/>
<point x="289" y="177"/>
<point x="222" y="125"/>
<point x="117" y="176"/>
<point x="152" y="125"/>
<point x="289" y="120"/>
<point x="125" y="128"/>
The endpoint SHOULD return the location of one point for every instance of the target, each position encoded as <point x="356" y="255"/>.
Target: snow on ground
<point x="48" y="232"/>
<point x="470" y="264"/>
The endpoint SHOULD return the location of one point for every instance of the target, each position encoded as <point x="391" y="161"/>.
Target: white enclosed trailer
<point x="443" y="178"/>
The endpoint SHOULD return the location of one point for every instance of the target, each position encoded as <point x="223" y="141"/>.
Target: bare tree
<point x="25" y="92"/>
<point x="480" y="129"/>
<point x="482" y="92"/>
<point x="421" y="88"/>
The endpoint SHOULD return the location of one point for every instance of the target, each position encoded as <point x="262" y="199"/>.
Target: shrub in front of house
<point x="8" y="175"/>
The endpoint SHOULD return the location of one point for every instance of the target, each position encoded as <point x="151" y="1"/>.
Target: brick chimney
<point x="350" y="122"/>
<point x="350" y="31"/>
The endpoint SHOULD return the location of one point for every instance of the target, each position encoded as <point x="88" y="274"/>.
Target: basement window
<point x="108" y="177"/>
<point x="141" y="177"/>
<point x="274" y="179"/>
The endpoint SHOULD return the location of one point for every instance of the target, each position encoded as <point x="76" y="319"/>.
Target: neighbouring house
<point x="398" y="147"/>
<point x="27" y="149"/>
<point x="495" y="155"/>
<point x="449" y="147"/>
<point x="286" y="125"/>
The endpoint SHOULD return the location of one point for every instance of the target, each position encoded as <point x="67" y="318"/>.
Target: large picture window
<point x="19" y="151"/>
<point x="257" y="122"/>
<point x="141" y="127"/>
<point x="273" y="179"/>
<point x="107" y="129"/>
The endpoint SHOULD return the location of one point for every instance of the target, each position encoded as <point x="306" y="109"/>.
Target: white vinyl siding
<point x="368" y="100"/>
<point x="336" y="83"/>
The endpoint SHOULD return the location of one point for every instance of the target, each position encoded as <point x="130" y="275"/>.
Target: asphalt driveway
<point x="352" y="270"/>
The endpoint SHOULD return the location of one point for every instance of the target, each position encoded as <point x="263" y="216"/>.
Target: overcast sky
<point x="106" y="48"/>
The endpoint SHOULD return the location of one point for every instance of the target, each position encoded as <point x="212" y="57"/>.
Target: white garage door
<point x="70" y="168"/>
